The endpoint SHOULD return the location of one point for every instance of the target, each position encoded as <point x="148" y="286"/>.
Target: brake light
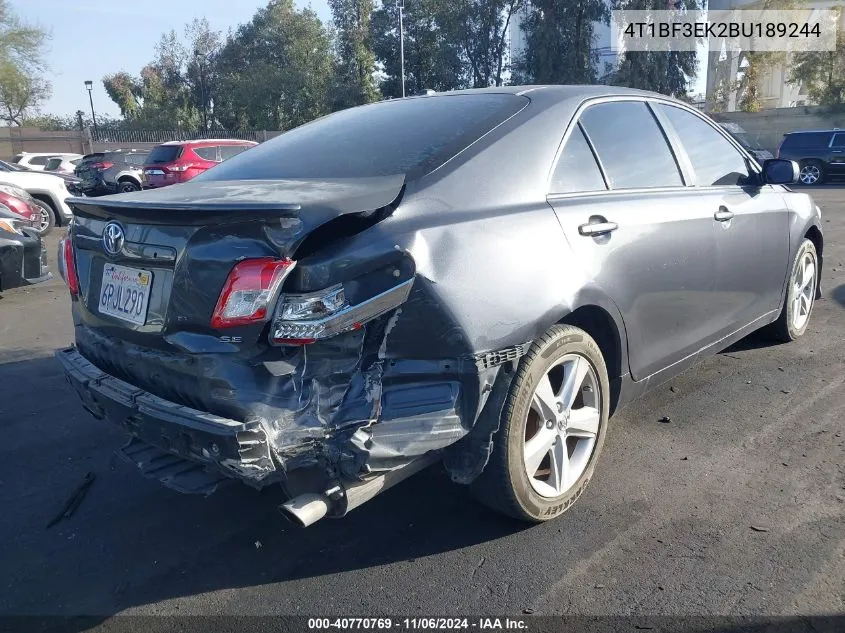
<point x="248" y="291"/>
<point x="180" y="167"/>
<point x="102" y="166"/>
<point x="70" y="267"/>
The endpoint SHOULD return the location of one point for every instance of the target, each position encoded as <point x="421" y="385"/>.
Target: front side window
<point x="577" y="170"/>
<point x="838" y="140"/>
<point x="631" y="145"/>
<point x="714" y="159"/>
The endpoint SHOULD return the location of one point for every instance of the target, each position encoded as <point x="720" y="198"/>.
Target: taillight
<point x="102" y="166"/>
<point x="179" y="167"/>
<point x="71" y="279"/>
<point x="304" y="319"/>
<point x="248" y="291"/>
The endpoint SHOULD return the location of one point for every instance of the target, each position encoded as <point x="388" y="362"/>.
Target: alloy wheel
<point x="804" y="282"/>
<point x="562" y="425"/>
<point x="45" y="220"/>
<point x="810" y="174"/>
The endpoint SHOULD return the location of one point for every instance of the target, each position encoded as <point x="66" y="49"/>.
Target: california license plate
<point x="125" y="293"/>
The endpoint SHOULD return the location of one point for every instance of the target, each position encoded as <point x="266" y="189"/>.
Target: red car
<point x="179" y="161"/>
<point x="20" y="203"/>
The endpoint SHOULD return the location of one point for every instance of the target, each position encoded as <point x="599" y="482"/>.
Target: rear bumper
<point x="23" y="261"/>
<point x="236" y="449"/>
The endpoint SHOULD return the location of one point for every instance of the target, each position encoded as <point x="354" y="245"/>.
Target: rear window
<point x="164" y="154"/>
<point x="810" y="139"/>
<point x="412" y="137"/>
<point x="17" y="158"/>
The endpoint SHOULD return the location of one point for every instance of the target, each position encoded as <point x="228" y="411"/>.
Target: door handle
<point x="597" y="228"/>
<point x="723" y="215"/>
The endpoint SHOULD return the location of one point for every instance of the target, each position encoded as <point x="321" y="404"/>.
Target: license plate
<point x="154" y="172"/>
<point x="125" y="292"/>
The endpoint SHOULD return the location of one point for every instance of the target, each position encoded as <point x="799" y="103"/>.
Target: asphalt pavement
<point x="736" y="506"/>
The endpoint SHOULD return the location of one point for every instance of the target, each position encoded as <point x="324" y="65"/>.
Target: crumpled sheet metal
<point x="353" y="402"/>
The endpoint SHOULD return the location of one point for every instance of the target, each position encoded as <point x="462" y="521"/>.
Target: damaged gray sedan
<point x="479" y="278"/>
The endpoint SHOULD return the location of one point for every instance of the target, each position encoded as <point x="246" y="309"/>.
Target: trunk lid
<point x="181" y="242"/>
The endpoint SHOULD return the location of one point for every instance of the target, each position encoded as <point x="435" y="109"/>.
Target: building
<point x="725" y="68"/>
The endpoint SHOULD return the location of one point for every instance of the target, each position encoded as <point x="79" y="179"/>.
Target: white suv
<point x="37" y="160"/>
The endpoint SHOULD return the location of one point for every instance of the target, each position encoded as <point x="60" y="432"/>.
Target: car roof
<point x="834" y="129"/>
<point x="209" y="141"/>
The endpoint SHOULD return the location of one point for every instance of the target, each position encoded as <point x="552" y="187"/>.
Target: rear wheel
<point x="812" y="173"/>
<point x="552" y="428"/>
<point x="48" y="218"/>
<point x="800" y="296"/>
<point x="128" y="186"/>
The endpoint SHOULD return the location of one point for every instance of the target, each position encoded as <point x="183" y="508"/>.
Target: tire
<point x="789" y="326"/>
<point x="811" y="173"/>
<point x="48" y="217"/>
<point x="127" y="186"/>
<point x="505" y="484"/>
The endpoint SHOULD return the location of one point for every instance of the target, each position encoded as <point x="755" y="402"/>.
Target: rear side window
<point x="577" y="170"/>
<point x="806" y="141"/>
<point x="38" y="160"/>
<point x="206" y="153"/>
<point x="230" y="151"/>
<point x="164" y="154"/>
<point x="135" y="159"/>
<point x="403" y="136"/>
<point x="714" y="160"/>
<point x="630" y="145"/>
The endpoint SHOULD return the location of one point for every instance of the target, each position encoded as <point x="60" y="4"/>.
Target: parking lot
<point x="736" y="505"/>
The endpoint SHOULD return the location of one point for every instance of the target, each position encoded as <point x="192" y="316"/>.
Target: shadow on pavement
<point x="132" y="542"/>
<point x="838" y="295"/>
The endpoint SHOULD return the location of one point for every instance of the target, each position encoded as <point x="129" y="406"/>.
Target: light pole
<point x="89" y="85"/>
<point x="402" y="44"/>
<point x="199" y="57"/>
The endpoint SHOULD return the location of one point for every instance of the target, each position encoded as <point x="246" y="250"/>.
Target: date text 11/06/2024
<point x="418" y="624"/>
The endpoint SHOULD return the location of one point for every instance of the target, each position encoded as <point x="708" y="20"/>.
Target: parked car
<point x="49" y="190"/>
<point x="750" y="145"/>
<point x="62" y="164"/>
<point x="179" y="161"/>
<point x="24" y="205"/>
<point x="37" y="161"/>
<point x="116" y="171"/>
<point x="479" y="277"/>
<point x="819" y="153"/>
<point x="23" y="257"/>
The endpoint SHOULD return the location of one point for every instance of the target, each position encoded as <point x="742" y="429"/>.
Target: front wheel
<point x="800" y="296"/>
<point x="552" y="428"/>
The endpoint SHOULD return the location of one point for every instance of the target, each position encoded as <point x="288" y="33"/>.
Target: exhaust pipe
<point x="308" y="508"/>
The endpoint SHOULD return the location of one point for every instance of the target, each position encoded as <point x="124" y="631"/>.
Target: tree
<point x="355" y="83"/>
<point x="821" y="74"/>
<point x="666" y="72"/>
<point x="434" y="57"/>
<point x="22" y="87"/>
<point x="275" y="71"/>
<point x="559" y="37"/>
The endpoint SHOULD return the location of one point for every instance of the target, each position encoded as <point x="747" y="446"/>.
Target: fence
<point x="14" y="140"/>
<point x="162" y="136"/>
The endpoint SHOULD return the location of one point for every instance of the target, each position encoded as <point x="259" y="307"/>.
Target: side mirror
<point x="777" y="171"/>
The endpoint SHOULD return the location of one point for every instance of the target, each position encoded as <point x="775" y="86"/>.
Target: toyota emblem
<point x="113" y="238"/>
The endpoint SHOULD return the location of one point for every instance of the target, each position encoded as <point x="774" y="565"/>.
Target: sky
<point x="93" y="38"/>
